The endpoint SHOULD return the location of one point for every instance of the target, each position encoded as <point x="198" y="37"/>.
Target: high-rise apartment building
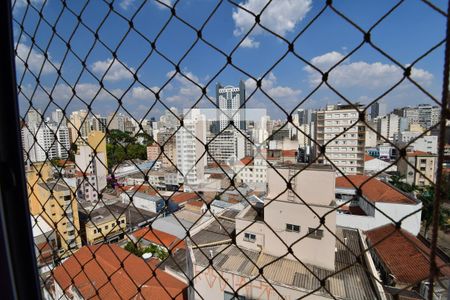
<point x="227" y="146"/>
<point x="44" y="140"/>
<point x="98" y="123"/>
<point x="346" y="151"/>
<point x="190" y="140"/>
<point x="231" y="103"/>
<point x="116" y="121"/>
<point x="425" y="115"/>
<point x="91" y="158"/>
<point x="389" y="126"/>
<point x="378" y="109"/>
<point x="79" y="126"/>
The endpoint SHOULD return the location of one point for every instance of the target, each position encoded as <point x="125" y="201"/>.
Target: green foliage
<point x="155" y="250"/>
<point x="122" y="146"/>
<point x="426" y="196"/>
<point x="133" y="248"/>
<point x="397" y="180"/>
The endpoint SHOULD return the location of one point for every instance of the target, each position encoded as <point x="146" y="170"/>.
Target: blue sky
<point x="406" y="34"/>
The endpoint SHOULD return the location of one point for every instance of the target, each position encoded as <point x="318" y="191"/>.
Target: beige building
<point x="103" y="226"/>
<point x="419" y="168"/>
<point x="312" y="190"/>
<point x="338" y="128"/>
<point x="79" y="126"/>
<point x="54" y="201"/>
<point x="169" y="157"/>
<point x="281" y="250"/>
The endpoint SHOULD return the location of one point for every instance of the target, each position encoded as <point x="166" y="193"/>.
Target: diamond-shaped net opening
<point x="248" y="149"/>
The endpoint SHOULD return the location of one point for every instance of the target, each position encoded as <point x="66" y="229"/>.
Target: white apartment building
<point x="44" y="140"/>
<point x="92" y="164"/>
<point x="190" y="140"/>
<point x="347" y="150"/>
<point x="390" y="125"/>
<point x="228" y="146"/>
<point x="425" y="115"/>
<point x="426" y="143"/>
<point x="251" y="170"/>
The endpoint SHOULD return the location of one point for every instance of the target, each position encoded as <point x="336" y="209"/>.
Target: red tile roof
<point x="289" y="153"/>
<point x="248" y="160"/>
<point x="196" y="203"/>
<point x="160" y="238"/>
<point x="102" y="261"/>
<point x="374" y="190"/>
<point x="183" y="197"/>
<point x="138" y="188"/>
<point x="418" y="153"/>
<point x="368" y="157"/>
<point x="406" y="257"/>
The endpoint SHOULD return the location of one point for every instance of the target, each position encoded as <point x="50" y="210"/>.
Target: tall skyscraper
<point x="378" y="109"/>
<point x="230" y="101"/>
<point x="346" y="151"/>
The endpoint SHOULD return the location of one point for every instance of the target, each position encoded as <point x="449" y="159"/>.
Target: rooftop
<point x="368" y="157"/>
<point x="419" y="153"/>
<point x="374" y="190"/>
<point x="214" y="233"/>
<point x="160" y="238"/>
<point x="55" y="185"/>
<point x="101" y="215"/>
<point x="305" y="166"/>
<point x="134" y="216"/>
<point x="183" y="197"/>
<point x="134" y="279"/>
<point x="40" y="226"/>
<point x="413" y="265"/>
<point x="350" y="281"/>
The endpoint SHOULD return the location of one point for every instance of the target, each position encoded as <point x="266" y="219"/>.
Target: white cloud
<point x="143" y="93"/>
<point x="326" y="61"/>
<point x="35" y="60"/>
<point x="280" y="16"/>
<point x="116" y="72"/>
<point x="269" y="85"/>
<point x="186" y="91"/>
<point x="249" y="42"/>
<point x="85" y="91"/>
<point x="125" y="4"/>
<point x="360" y="74"/>
<point x="167" y="2"/>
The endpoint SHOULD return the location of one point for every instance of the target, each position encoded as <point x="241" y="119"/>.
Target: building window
<point x="95" y="230"/>
<point x="292" y="228"/>
<point x="106" y="227"/>
<point x="249" y="237"/>
<point x="315" y="233"/>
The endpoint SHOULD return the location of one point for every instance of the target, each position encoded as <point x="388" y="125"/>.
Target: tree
<point x="398" y="181"/>
<point x="426" y="195"/>
<point x="133" y="248"/>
